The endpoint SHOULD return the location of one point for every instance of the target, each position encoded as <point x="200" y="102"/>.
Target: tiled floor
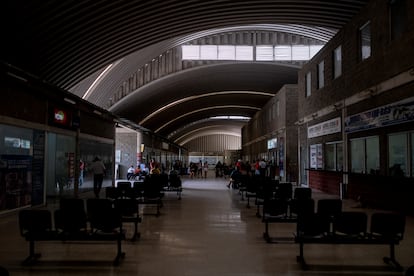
<point x="209" y="232"/>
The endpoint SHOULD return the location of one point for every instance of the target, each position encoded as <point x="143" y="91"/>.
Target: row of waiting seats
<point x="96" y="219"/>
<point x="156" y="183"/>
<point x="141" y="192"/>
<point x="101" y="220"/>
<point x="321" y="221"/>
<point x="331" y="225"/>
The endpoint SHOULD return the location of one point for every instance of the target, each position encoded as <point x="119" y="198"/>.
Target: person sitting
<point x="234" y="178"/>
<point x="144" y="169"/>
<point x="155" y="170"/>
<point x="131" y="172"/>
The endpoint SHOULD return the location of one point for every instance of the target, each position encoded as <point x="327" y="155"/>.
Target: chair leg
<point x="258" y="211"/>
<point x="266" y="232"/>
<point x="159" y="205"/>
<point x="136" y="234"/>
<point x="32" y="255"/>
<point x="301" y="259"/>
<point x="391" y="259"/>
<point x="119" y="254"/>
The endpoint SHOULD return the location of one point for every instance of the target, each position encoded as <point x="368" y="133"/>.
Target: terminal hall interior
<point x="320" y="92"/>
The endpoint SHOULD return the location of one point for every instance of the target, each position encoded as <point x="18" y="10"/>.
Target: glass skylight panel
<point x="191" y="52"/>
<point x="283" y="52"/>
<point x="314" y="49"/>
<point x="244" y="52"/>
<point x="300" y="52"/>
<point x="230" y="118"/>
<point x="226" y="52"/>
<point x="264" y="53"/>
<point x="208" y="52"/>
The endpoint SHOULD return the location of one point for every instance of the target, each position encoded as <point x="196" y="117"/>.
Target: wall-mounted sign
<point x="63" y="118"/>
<point x="15" y="142"/>
<point x="392" y="114"/>
<point x="60" y="116"/>
<point x="325" y="128"/>
<point x="272" y="143"/>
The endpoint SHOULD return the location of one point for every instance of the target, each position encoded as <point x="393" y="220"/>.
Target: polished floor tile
<point x="210" y="231"/>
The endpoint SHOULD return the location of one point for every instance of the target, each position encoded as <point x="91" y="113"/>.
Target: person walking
<point x="98" y="169"/>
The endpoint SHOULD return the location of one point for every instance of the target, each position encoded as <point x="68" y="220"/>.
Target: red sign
<point x="60" y="116"/>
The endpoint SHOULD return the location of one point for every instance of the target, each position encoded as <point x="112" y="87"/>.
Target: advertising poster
<point x="312" y="157"/>
<point x="15" y="181"/>
<point x="319" y="156"/>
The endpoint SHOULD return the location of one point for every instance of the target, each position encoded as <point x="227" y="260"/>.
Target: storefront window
<point x="358" y="156"/>
<point x="333" y="156"/>
<point x="16" y="156"/>
<point x="330" y="157"/>
<point x="88" y="151"/>
<point x="372" y="153"/>
<point x="365" y="155"/>
<point x="397" y="154"/>
<point x="60" y="164"/>
<point x="339" y="157"/>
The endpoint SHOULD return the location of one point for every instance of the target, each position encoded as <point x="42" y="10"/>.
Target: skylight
<point x="250" y="53"/>
<point x="230" y="118"/>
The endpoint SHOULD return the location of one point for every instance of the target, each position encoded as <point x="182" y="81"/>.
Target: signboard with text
<point x="325" y="128"/>
<point x="392" y="114"/>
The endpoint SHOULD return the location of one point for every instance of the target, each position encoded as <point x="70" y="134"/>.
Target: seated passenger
<point x="155" y="170"/>
<point x="234" y="178"/>
<point x="131" y="172"/>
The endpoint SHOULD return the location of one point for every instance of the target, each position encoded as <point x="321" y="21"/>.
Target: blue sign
<point x="395" y="113"/>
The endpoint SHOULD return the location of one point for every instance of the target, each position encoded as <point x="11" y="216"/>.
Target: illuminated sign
<point x="272" y="143"/>
<point x="14" y="142"/>
<point x="60" y="116"/>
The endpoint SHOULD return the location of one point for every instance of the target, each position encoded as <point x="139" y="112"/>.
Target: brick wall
<point x="388" y="58"/>
<point x="325" y="181"/>
<point x="379" y="191"/>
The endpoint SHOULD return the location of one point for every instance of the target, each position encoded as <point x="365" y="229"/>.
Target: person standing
<point x="98" y="169"/>
<point x="205" y="169"/>
<point x="81" y="169"/>
<point x="200" y="169"/>
<point x="262" y="167"/>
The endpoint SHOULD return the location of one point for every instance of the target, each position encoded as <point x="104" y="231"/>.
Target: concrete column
<point x="139" y="150"/>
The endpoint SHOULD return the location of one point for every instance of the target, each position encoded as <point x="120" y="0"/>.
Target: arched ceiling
<point x="207" y="91"/>
<point x="69" y="43"/>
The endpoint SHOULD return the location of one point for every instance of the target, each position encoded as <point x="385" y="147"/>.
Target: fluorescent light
<point x="69" y="101"/>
